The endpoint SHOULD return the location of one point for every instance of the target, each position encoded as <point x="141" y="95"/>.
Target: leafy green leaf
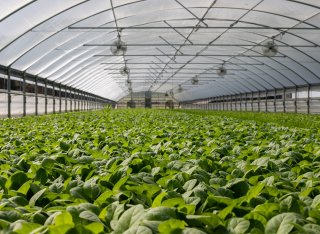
<point x="238" y="225"/>
<point x="36" y="196"/>
<point x="172" y="226"/>
<point x="281" y="223"/>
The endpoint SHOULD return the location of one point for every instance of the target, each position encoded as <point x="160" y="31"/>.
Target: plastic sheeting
<point x="68" y="42"/>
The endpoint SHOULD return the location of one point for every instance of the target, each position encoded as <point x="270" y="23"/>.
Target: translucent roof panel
<point x="170" y="43"/>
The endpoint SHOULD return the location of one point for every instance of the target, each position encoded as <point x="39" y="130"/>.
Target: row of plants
<point x="152" y="171"/>
<point x="283" y="119"/>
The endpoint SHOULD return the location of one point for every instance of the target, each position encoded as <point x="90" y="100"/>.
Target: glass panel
<point x="41" y="105"/>
<point x="30" y="104"/>
<point x="16" y="104"/>
<point x="50" y="105"/>
<point x="3" y="104"/>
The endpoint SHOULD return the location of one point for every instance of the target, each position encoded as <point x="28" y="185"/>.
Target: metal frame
<point x="200" y="21"/>
<point x="9" y="72"/>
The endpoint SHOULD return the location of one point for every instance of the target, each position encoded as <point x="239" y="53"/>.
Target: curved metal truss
<point x="170" y="42"/>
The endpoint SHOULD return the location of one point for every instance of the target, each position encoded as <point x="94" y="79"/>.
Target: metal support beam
<point x="258" y="101"/>
<point x="24" y="94"/>
<point x="284" y="100"/>
<point x="191" y="27"/>
<point x="275" y="101"/>
<point x="36" y="94"/>
<point x="308" y="100"/>
<point x="246" y="102"/>
<point x="79" y="100"/>
<point x="46" y="96"/>
<point x="70" y="96"/>
<point x="296" y="100"/>
<point x="65" y="99"/>
<point x="9" y="92"/>
<point x="266" y="105"/>
<point x="54" y="99"/>
<point x="60" y="101"/>
<point x="252" y="101"/>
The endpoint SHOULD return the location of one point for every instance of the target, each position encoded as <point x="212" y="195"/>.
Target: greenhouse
<point x="160" y="116"/>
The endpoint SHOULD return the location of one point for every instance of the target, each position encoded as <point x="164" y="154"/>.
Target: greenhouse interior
<point x="160" y="116"/>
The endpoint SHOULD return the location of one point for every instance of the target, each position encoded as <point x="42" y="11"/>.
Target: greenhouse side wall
<point x="21" y="96"/>
<point x="292" y="100"/>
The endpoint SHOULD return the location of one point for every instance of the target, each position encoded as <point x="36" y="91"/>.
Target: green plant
<point x="150" y="171"/>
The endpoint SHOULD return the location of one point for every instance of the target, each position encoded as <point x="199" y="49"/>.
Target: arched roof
<point x="169" y="43"/>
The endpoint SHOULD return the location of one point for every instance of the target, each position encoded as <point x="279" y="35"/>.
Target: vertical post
<point x="86" y="102"/>
<point x="246" y="100"/>
<point x="54" y="98"/>
<point x="24" y="94"/>
<point x="65" y="99"/>
<point x="275" y="101"/>
<point x="70" y="94"/>
<point x="46" y="96"/>
<point x="251" y="101"/>
<point x="60" y="101"/>
<point x="284" y="100"/>
<point x="81" y="101"/>
<point x="308" y="100"/>
<point x="223" y="102"/>
<point x="259" y="101"/>
<point x="74" y="100"/>
<point x="295" y="100"/>
<point x="9" y="91"/>
<point x="36" y="94"/>
<point x="231" y="102"/>
<point x="79" y="98"/>
<point x="266" y="105"/>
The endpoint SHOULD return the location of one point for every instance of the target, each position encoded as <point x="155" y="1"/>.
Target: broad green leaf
<point x="256" y="216"/>
<point x="281" y="223"/>
<point x="268" y="209"/>
<point x="23" y="227"/>
<point x="48" y="163"/>
<point x="9" y="215"/>
<point x="130" y="218"/>
<point x="316" y="201"/>
<point x="238" y="225"/>
<point x="63" y="218"/>
<point x="158" y="200"/>
<point x="95" y="227"/>
<point x="160" y="213"/>
<point x="88" y="215"/>
<point x="17" y="180"/>
<point x="255" y="191"/>
<point x="209" y="219"/>
<point x="312" y="228"/>
<point x="25" y="187"/>
<point x="36" y="196"/>
<point x="64" y="146"/>
<point x="56" y="187"/>
<point x="192" y="231"/>
<point x="171" y="226"/>
<point x="173" y="202"/>
<point x="138" y="230"/>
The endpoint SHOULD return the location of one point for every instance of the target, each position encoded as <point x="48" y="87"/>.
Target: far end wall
<point x="147" y="100"/>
